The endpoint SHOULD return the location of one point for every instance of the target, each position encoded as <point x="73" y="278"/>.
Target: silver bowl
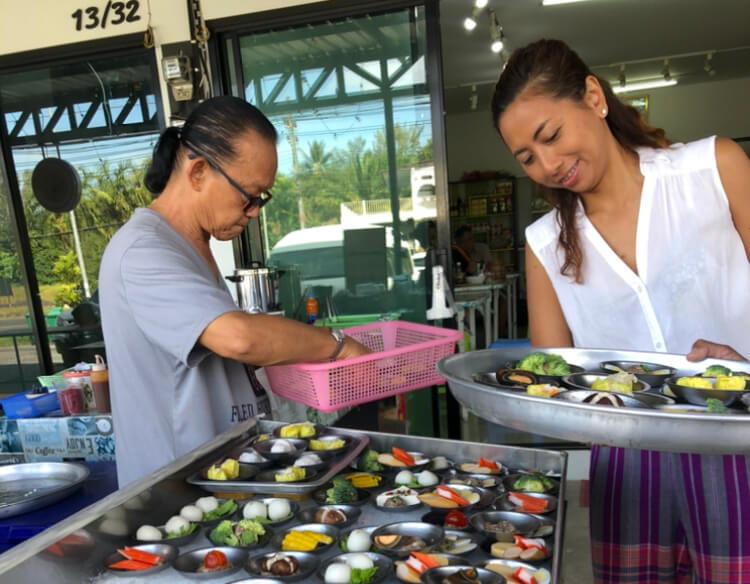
<point x="175" y="541"/>
<point x="510" y="480"/>
<point x="328" y="530"/>
<point x="166" y="551"/>
<point x="253" y="580"/>
<point x="307" y="563"/>
<point x="383" y="565"/>
<point x="584" y="396"/>
<point x="656" y="375"/>
<point x="485" y="499"/>
<point x="400" y="509"/>
<point x="484" y="481"/>
<point x="451" y="561"/>
<point x="320" y="495"/>
<point x="438" y="518"/>
<point x="511" y="566"/>
<point x="420" y="458"/>
<point x="452" y="537"/>
<point x="264" y="449"/>
<point x="698" y="396"/>
<point x="523" y="524"/>
<point x="323" y="453"/>
<point x="351" y="512"/>
<point x="267" y="463"/>
<point x="188" y="563"/>
<point x="293" y="505"/>
<point x="262" y="540"/>
<point x="269" y="476"/>
<point x="585" y="379"/>
<point x="437" y="575"/>
<point x="369" y="529"/>
<point x="428" y="533"/>
<point x="480" y="470"/>
<point x="503" y="504"/>
<point x="319" y="431"/>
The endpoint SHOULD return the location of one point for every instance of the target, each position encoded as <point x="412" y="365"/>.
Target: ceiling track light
<point x="622" y="79"/>
<point x="641" y="85"/>
<point x="555" y="2"/>
<point x="665" y="72"/>
<point x="480" y="3"/>
<point x="470" y="22"/>
<point x="497" y="38"/>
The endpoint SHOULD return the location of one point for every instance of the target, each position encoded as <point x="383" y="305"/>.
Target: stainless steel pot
<point x="257" y="288"/>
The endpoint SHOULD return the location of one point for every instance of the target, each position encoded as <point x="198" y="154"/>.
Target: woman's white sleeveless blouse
<point x="693" y="277"/>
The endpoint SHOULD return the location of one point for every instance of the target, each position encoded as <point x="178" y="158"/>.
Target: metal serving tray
<point x="32" y="485"/>
<point x="629" y="428"/>
<point x="358" y="444"/>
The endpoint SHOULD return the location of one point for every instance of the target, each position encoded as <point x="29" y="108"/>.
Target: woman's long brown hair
<point x="552" y="68"/>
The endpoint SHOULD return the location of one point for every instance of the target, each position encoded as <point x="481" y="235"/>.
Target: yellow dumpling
<point x="699" y="382"/>
<point x="729" y="382"/>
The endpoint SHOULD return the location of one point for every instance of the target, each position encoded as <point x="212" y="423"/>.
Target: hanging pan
<point x="56" y="185"/>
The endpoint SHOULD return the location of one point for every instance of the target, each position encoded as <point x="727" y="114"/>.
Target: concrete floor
<point x="576" y="567"/>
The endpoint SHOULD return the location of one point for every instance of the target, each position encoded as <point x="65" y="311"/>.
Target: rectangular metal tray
<point x="359" y="442"/>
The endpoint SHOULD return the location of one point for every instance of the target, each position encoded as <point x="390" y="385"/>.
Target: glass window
<point x="351" y="103"/>
<point x="101" y="116"/>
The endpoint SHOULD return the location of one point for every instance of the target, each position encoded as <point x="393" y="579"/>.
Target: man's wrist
<point x="339" y="337"/>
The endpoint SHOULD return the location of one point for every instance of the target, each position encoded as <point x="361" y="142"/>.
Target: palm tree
<point x="316" y="158"/>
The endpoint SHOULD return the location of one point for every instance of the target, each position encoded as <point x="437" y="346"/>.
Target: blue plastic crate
<point x="30" y="405"/>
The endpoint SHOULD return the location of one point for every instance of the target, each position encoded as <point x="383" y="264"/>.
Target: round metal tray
<point x="648" y="429"/>
<point x="30" y="486"/>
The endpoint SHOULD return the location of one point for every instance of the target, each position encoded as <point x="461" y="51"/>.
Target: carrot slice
<point x="403" y="456"/>
<point x="488" y="463"/>
<point x="141" y="556"/>
<point x="426" y="560"/>
<point x="130" y="565"/>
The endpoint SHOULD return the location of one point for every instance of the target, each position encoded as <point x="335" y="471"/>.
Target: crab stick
<point x="130" y="565"/>
<point x="421" y="562"/>
<point x="447" y="493"/>
<point x="402" y="456"/>
<point x="528" y="542"/>
<point x="141" y="556"/>
<point x="524" y="576"/>
<point x="527" y="502"/>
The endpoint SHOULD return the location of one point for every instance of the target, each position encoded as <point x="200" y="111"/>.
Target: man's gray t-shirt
<point x="169" y="394"/>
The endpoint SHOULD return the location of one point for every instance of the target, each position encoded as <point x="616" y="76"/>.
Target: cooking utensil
<point x="29" y="486"/>
<point x="257" y="288"/>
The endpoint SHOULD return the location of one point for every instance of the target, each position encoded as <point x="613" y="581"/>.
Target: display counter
<point x="74" y="550"/>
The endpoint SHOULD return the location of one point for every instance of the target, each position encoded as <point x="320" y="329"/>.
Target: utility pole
<point x="291" y="126"/>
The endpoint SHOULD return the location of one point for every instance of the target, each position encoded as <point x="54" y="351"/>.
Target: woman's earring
<point x="604" y="112"/>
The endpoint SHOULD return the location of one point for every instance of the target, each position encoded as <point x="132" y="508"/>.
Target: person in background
<point x="468" y="253"/>
<point x="646" y="249"/>
<point x="181" y="353"/>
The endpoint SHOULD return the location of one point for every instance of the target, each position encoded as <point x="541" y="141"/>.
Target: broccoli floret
<point x="341" y="492"/>
<point x="369" y="461"/>
<point x="248" y="531"/>
<point x="223" y="534"/>
<point x="716" y="407"/>
<point x="533" y="362"/>
<point x="715" y="371"/>
<point x="556" y="365"/>
<point x="544" y="364"/>
<point x="531" y="483"/>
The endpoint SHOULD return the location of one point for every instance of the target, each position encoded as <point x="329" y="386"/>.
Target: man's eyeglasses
<point x="252" y="202"/>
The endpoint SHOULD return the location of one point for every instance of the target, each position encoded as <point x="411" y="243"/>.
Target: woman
<point x="178" y="346"/>
<point x="647" y="249"/>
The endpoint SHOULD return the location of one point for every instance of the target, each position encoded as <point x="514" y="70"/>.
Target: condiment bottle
<point x="100" y="385"/>
<point x="311" y="309"/>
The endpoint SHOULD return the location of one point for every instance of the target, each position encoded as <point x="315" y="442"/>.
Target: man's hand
<point x="703" y="349"/>
<point x="352" y="349"/>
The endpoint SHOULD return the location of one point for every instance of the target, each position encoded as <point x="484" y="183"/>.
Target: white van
<point x="319" y="254"/>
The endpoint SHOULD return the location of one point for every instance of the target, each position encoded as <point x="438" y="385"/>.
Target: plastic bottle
<point x="311" y="309"/>
<point x="100" y="385"/>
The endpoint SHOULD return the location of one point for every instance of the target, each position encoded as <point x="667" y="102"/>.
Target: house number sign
<point x="110" y="14"/>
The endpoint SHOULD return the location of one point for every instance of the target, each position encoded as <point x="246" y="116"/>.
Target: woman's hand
<point x="703" y="349"/>
<point x="352" y="349"/>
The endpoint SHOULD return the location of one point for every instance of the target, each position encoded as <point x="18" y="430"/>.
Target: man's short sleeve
<point x="172" y="298"/>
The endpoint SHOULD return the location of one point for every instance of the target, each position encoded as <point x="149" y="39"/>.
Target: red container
<point x="71" y="400"/>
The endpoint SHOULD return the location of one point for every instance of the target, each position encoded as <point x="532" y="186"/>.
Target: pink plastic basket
<point x="403" y="359"/>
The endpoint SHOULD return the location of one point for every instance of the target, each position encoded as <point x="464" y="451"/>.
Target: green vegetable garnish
<point x="369" y="461"/>
<point x="341" y="492"/>
<point x="715" y="406"/>
<point x="244" y="532"/>
<point x="183" y="532"/>
<point x="544" y="364"/>
<point x="226" y="508"/>
<point x="362" y="576"/>
<point x="715" y="371"/>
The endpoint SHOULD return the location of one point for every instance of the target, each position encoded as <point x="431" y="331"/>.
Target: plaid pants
<point x="660" y="517"/>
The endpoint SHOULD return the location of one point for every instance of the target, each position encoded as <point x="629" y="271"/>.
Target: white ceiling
<point x="605" y="33"/>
